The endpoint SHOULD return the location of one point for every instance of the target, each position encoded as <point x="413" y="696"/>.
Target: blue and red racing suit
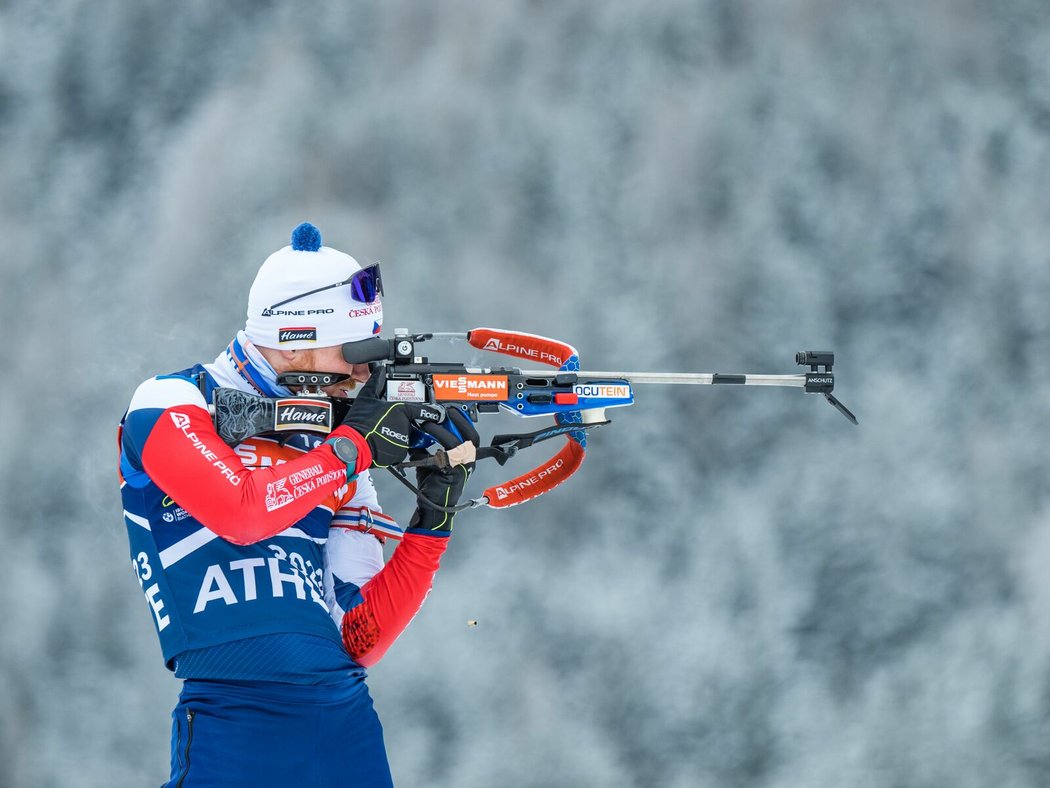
<point x="262" y="566"/>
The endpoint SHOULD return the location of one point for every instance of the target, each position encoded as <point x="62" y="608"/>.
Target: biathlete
<point x="262" y="564"/>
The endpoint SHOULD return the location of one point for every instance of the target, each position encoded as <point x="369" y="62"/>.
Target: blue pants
<point x="241" y="733"/>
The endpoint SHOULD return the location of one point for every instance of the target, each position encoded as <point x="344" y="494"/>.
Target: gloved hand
<point x="385" y="426"/>
<point x="443" y="486"/>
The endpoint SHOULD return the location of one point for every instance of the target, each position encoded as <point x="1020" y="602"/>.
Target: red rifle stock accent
<point x="541" y="479"/>
<point x="546" y="476"/>
<point x="521" y="345"/>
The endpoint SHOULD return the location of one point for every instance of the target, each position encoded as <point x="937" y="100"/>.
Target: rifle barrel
<point x="688" y="378"/>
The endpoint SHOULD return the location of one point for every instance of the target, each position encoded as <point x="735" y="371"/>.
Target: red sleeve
<point x="393" y="597"/>
<point x="187" y="459"/>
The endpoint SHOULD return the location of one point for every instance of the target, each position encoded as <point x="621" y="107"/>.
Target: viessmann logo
<point x="470" y="387"/>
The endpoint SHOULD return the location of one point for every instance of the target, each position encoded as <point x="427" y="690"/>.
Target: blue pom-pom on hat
<point x="306" y="238"/>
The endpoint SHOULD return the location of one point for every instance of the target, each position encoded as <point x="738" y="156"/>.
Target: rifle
<point x="577" y="399"/>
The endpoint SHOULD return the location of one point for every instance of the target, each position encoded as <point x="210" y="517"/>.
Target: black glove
<point x="386" y="426"/>
<point x="443" y="486"/>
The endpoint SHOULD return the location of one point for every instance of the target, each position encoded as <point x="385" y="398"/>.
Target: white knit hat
<point x="328" y="317"/>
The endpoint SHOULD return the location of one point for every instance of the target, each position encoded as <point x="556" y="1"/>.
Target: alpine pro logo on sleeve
<point x="182" y="423"/>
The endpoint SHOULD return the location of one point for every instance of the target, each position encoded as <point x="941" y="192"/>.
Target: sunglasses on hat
<point x="365" y="286"/>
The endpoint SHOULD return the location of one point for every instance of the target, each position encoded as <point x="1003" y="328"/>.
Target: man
<point x="271" y="634"/>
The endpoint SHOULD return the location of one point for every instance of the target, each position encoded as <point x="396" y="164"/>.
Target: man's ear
<point x="279" y="359"/>
<point x="298" y="359"/>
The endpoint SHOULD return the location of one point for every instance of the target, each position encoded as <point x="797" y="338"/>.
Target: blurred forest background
<point x="739" y="588"/>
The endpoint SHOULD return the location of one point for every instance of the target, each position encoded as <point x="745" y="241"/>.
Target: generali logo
<point x="277" y="495"/>
<point x="470" y="387"/>
<point x="406" y="391"/>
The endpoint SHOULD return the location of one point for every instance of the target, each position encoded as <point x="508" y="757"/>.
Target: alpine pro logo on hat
<point x="307" y="295"/>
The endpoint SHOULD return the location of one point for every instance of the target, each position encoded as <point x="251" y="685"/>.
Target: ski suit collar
<point x="242" y="366"/>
